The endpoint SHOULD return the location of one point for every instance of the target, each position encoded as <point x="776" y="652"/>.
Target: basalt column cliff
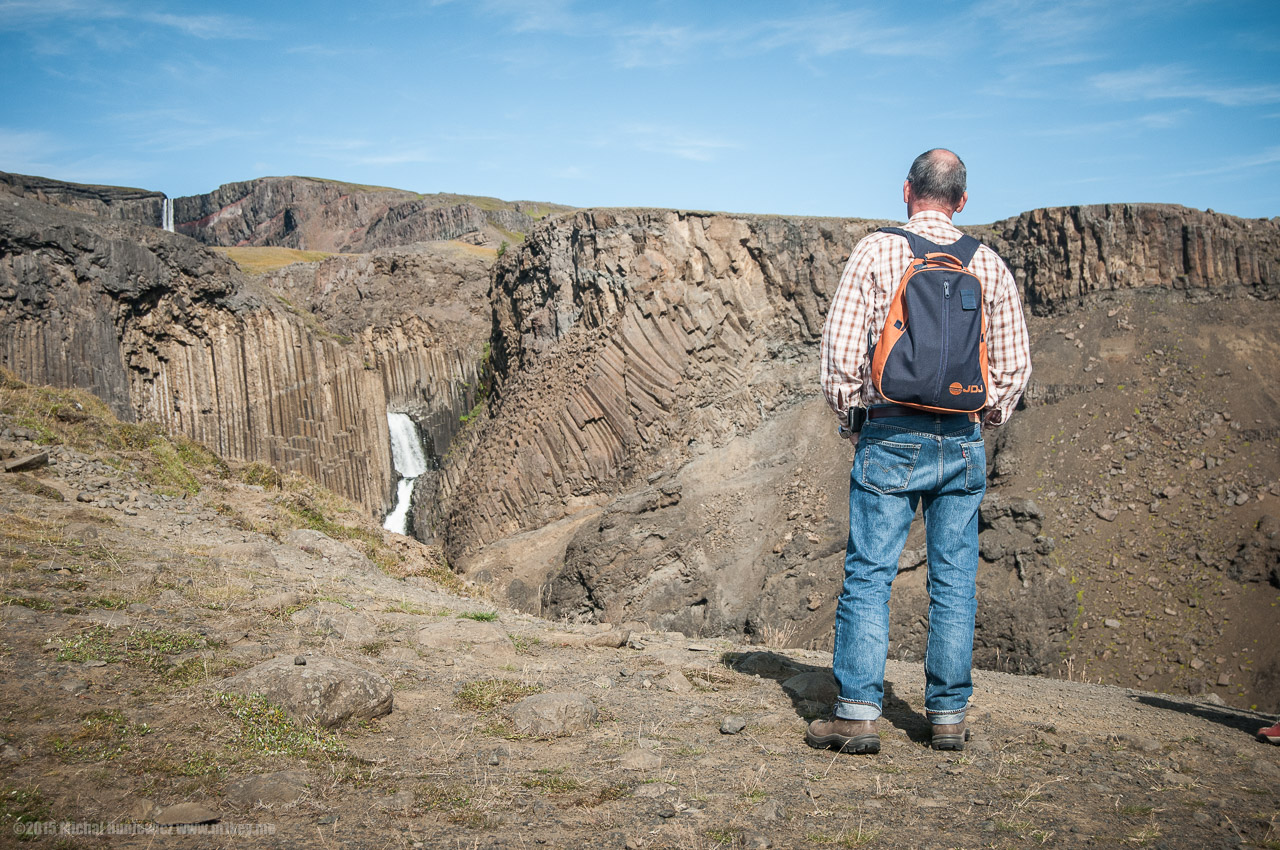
<point x="165" y="331"/>
<point x="657" y="448"/>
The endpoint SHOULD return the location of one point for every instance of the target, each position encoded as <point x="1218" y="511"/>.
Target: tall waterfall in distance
<point x="166" y="214"/>
<point x="410" y="461"/>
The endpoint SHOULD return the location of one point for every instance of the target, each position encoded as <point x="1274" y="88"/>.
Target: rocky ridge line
<point x="326" y="215"/>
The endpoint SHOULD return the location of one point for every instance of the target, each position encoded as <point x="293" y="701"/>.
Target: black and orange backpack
<point x="932" y="353"/>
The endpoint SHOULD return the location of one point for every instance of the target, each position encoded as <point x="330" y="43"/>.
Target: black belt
<point x="884" y="411"/>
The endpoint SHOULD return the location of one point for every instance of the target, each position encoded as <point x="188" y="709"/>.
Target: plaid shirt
<point x="862" y="301"/>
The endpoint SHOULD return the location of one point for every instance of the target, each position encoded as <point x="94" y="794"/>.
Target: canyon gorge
<point x="623" y="407"/>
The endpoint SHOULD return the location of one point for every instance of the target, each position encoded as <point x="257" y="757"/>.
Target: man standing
<point x="908" y="457"/>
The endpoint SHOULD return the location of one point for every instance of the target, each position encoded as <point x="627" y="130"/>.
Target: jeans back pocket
<point x="975" y="466"/>
<point x="887" y="466"/>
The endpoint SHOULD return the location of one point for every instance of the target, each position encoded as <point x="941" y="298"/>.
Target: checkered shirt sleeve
<point x="861" y="303"/>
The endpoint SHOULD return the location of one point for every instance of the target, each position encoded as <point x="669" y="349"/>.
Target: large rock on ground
<point x="465" y="635"/>
<point x="328" y="691"/>
<point x="550" y="715"/>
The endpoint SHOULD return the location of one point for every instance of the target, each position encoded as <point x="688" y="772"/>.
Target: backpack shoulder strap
<point x="962" y="249"/>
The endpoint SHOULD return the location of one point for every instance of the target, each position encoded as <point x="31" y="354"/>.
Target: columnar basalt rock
<point x="1062" y="255"/>
<point x="640" y="353"/>
<point x="165" y="331"/>
<point x="421" y="320"/>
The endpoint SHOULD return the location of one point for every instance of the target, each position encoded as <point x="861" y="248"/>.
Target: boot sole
<point x="857" y="745"/>
<point x="949" y="742"/>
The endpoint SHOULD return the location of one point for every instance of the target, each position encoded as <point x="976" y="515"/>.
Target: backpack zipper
<point x="946" y="338"/>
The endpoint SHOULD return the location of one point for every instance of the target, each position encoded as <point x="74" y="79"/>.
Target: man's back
<point x="861" y="304"/>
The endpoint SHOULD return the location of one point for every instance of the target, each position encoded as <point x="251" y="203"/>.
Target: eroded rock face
<point x="1257" y="557"/>
<point x="165" y="331"/>
<point x="421" y="318"/>
<point x="326" y="215"/>
<point x="1064" y="254"/>
<point x="114" y="202"/>
<point x="658" y="447"/>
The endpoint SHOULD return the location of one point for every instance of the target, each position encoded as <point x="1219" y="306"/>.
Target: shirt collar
<point x="931" y="215"/>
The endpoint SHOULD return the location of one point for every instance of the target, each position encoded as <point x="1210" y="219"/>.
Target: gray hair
<point x="938" y="175"/>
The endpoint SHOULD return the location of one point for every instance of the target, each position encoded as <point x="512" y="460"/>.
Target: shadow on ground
<point x="812" y="690"/>
<point x="1239" y="719"/>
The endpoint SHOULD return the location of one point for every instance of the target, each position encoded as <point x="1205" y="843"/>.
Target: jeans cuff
<point x="945" y="718"/>
<point x="848" y="709"/>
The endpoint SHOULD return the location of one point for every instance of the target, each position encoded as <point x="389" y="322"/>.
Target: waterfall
<point x="410" y="461"/>
<point x="166" y="214"/>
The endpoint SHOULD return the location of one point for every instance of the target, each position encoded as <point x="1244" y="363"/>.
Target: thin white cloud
<point x="206" y="26"/>
<point x="27" y="14"/>
<point x="1045" y="22"/>
<point x="400" y="156"/>
<point x="826" y="34"/>
<point x="1267" y="157"/>
<point x="806" y="35"/>
<point x="1119" y="127"/>
<point x="325" y="51"/>
<point x="545" y="16"/>
<point x="1174" y="82"/>
<point x="365" y="152"/>
<point x="168" y="130"/>
<point x="27" y="152"/>
<point x="670" y="141"/>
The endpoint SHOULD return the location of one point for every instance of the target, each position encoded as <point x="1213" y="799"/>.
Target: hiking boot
<point x="1270" y="734"/>
<point x="848" y="736"/>
<point x="949" y="736"/>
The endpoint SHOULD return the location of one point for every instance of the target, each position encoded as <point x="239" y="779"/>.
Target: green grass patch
<point x="28" y="543"/>
<point x="261" y="475"/>
<point x="553" y="781"/>
<point x="406" y="607"/>
<point x="26" y="602"/>
<point x="262" y="259"/>
<point x="1136" y="811"/>
<point x="21" y="806"/>
<point x="101" y="736"/>
<point x="524" y="645"/>
<point x="34" y="487"/>
<point x="479" y="616"/>
<point x="843" y="839"/>
<point x="78" y="419"/>
<point x="186" y="762"/>
<point x="142" y="647"/>
<point x="194" y="671"/>
<point x="266" y="729"/>
<point x="485" y="695"/>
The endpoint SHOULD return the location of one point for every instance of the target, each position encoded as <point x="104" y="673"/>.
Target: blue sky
<point x="800" y="108"/>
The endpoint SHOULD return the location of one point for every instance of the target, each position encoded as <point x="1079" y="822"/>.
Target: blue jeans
<point x="937" y="461"/>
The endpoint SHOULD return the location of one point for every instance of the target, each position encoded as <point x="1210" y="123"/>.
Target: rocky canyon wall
<point x="165" y="331"/>
<point x="1062" y="255"/>
<point x="112" y="202"/>
<point x="657" y="448"/>
<point x="326" y="215"/>
<point x="420" y="318"/>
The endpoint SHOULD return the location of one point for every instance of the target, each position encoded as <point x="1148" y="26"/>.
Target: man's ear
<point x="906" y="191"/>
<point x="964" y="199"/>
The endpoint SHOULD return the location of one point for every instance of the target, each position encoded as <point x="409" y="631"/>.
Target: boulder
<point x="268" y="789"/>
<point x="328" y="691"/>
<point x="478" y="637"/>
<point x="27" y="463"/>
<point x="554" y="714"/>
